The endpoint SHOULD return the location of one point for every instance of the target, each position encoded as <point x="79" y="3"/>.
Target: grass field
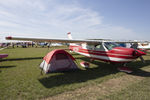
<point x="20" y="77"/>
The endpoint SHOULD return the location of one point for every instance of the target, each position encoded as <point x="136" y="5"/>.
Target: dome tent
<point x="58" y="60"/>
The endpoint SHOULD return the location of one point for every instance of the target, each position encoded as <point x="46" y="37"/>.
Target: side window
<point x="99" y="47"/>
<point x="90" y="47"/>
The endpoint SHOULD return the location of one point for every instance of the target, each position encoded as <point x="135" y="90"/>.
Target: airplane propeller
<point x="137" y="52"/>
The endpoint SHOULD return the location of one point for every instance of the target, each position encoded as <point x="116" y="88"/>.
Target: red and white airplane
<point x="105" y="50"/>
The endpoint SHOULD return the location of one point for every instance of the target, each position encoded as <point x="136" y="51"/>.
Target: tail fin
<point x="70" y="44"/>
<point x="69" y="35"/>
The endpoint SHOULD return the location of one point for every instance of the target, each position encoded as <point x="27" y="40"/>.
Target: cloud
<point x="8" y="24"/>
<point x="6" y="14"/>
<point x="52" y="18"/>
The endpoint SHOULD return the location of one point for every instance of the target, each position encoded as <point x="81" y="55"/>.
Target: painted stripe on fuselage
<point x="106" y="54"/>
<point x="106" y="57"/>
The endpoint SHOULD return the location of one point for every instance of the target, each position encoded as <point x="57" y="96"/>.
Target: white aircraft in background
<point x="144" y="46"/>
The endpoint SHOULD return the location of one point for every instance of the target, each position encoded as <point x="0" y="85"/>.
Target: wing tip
<point x="8" y="38"/>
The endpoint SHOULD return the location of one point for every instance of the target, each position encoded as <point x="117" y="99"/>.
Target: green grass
<point x="138" y="91"/>
<point x="20" y="76"/>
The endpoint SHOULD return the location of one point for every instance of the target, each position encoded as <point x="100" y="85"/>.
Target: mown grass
<point x="20" y="76"/>
<point x="137" y="91"/>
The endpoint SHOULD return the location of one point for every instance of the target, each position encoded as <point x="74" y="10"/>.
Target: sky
<point x="109" y="19"/>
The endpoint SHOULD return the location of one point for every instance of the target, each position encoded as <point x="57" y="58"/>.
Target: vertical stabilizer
<point x="69" y="35"/>
<point x="70" y="44"/>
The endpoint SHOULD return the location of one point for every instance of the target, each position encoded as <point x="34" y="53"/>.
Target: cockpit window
<point x="111" y="45"/>
<point x="99" y="47"/>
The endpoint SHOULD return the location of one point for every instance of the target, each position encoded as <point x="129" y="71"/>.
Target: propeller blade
<point x="138" y="53"/>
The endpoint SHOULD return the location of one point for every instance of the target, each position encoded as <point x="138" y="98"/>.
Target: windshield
<point x="111" y="45"/>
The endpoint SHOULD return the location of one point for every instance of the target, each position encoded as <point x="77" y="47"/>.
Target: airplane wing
<point x="71" y="40"/>
<point x="54" y="40"/>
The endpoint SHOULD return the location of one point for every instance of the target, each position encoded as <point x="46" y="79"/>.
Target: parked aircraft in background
<point x="145" y="46"/>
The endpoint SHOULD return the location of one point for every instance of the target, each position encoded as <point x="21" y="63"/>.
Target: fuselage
<point x="107" y="52"/>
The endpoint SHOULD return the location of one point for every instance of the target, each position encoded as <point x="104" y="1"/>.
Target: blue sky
<point x="115" y="19"/>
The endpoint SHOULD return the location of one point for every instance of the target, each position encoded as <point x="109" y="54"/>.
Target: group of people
<point x="23" y="44"/>
<point x="29" y="44"/>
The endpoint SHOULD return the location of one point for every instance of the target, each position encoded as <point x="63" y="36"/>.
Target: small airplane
<point x="3" y="56"/>
<point x="105" y="50"/>
<point x="144" y="46"/>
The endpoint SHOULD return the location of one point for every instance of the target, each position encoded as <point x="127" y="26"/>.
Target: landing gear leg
<point x="142" y="59"/>
<point x="125" y="64"/>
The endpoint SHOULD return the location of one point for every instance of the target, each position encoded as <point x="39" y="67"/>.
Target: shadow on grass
<point x="78" y="76"/>
<point x="75" y="77"/>
<point x="7" y="66"/>
<point x="16" y="59"/>
<point x="92" y="73"/>
<point x="141" y="73"/>
<point x="135" y="66"/>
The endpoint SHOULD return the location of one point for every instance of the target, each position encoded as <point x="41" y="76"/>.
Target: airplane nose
<point x="138" y="53"/>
